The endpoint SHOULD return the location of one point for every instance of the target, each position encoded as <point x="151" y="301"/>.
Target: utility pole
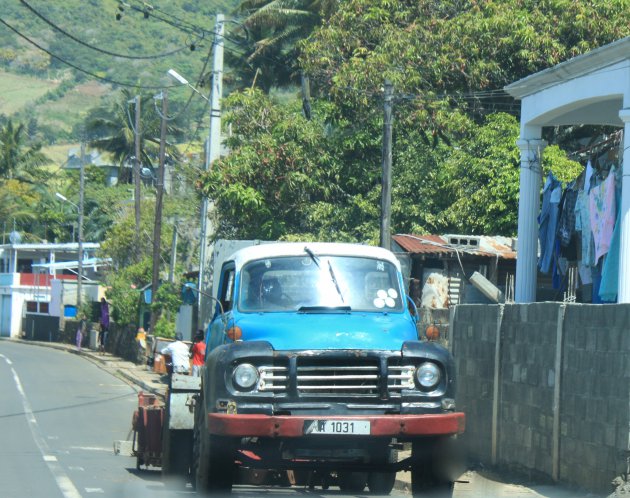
<point x="80" y="255"/>
<point x="306" y="96"/>
<point x="157" y="227"/>
<point x="171" y="273"/>
<point x="213" y="149"/>
<point x="136" y="172"/>
<point x="386" y="191"/>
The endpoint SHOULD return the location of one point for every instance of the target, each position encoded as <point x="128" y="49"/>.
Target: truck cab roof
<point x="281" y="249"/>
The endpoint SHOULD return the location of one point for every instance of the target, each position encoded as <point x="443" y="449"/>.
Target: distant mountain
<point x="86" y="48"/>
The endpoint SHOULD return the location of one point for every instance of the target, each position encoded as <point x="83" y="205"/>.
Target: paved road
<point x="60" y="413"/>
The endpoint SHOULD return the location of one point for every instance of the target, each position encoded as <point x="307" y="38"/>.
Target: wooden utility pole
<point x="386" y="190"/>
<point x="157" y="227"/>
<point x="137" y="165"/>
<point x="306" y="96"/>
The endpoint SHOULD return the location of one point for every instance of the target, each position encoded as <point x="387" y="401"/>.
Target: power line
<point x="80" y="69"/>
<point x="98" y="49"/>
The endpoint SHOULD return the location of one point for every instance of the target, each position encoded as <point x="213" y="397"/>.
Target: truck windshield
<point x="310" y="282"/>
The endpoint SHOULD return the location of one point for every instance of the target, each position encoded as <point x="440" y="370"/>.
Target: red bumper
<point x="293" y="426"/>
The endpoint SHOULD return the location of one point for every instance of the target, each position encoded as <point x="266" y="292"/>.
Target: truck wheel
<point x="381" y="483"/>
<point x="213" y="460"/>
<point x="179" y="453"/>
<point x="352" y="482"/>
<point x="426" y="480"/>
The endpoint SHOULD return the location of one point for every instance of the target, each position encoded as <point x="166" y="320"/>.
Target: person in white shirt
<point x="179" y="353"/>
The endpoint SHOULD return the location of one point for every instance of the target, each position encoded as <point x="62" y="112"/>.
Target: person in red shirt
<point x="198" y="354"/>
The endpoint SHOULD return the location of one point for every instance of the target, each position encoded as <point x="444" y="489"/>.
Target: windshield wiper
<point x="312" y="255"/>
<point x="324" y="309"/>
<point x="334" y="279"/>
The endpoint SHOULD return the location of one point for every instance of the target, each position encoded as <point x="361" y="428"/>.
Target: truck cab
<point x="314" y="368"/>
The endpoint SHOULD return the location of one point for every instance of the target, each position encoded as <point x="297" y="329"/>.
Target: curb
<point x="101" y="362"/>
<point x="146" y="387"/>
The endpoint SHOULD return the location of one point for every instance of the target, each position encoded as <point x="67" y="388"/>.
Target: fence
<point x="545" y="388"/>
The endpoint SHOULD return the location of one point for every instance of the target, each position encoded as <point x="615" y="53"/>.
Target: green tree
<point x="18" y="159"/>
<point x="111" y="129"/>
<point x="274" y="30"/>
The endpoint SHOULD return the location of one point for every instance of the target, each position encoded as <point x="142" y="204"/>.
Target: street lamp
<point x="212" y="153"/>
<point x="80" y="255"/>
<point x="65" y="199"/>
<point x="175" y="75"/>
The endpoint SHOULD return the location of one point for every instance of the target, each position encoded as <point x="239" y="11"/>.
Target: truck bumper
<point x="253" y="425"/>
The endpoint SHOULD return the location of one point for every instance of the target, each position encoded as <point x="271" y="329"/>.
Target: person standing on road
<point x="179" y="354"/>
<point x="198" y="354"/>
<point x="104" y="322"/>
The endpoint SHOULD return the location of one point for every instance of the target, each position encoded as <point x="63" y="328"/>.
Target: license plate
<point x="337" y="427"/>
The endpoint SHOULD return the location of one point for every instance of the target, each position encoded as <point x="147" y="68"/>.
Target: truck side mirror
<point x="415" y="316"/>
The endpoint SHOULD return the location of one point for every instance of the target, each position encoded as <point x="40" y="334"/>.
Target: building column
<point x="528" y="208"/>
<point x="623" y="289"/>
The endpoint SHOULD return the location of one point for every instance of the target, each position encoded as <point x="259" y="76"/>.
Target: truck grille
<point x="334" y="379"/>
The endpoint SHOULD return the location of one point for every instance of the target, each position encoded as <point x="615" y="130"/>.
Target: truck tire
<point x="381" y="483"/>
<point x="352" y="482"/>
<point x="213" y="460"/>
<point x="426" y="479"/>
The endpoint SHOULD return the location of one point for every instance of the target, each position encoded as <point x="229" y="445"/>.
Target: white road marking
<point x="94" y="490"/>
<point x="80" y="469"/>
<point x="90" y="448"/>
<point x="52" y="437"/>
<point x="63" y="481"/>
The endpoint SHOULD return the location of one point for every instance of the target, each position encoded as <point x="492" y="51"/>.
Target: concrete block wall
<point x="572" y="426"/>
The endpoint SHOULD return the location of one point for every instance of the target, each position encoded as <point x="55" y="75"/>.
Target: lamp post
<point x="80" y="240"/>
<point x="212" y="153"/>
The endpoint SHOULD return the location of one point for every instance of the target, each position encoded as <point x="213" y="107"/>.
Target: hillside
<point x="110" y="44"/>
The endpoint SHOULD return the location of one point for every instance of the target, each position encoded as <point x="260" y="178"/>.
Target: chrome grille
<point x="274" y="379"/>
<point x="336" y="379"/>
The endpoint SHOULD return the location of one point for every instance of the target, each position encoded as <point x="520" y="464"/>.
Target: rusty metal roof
<point x="476" y="245"/>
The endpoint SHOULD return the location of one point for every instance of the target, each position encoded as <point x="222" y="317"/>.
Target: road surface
<point x="59" y="416"/>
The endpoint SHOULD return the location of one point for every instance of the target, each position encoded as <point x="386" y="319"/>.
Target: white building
<point x="38" y="281"/>
<point x="591" y="89"/>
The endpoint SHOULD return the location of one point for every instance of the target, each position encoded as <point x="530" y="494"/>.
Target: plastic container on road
<point x="93" y="339"/>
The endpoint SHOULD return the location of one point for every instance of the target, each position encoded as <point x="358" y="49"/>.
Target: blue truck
<point x="315" y="374"/>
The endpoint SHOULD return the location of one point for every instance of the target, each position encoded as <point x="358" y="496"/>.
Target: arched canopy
<point x="591" y="89"/>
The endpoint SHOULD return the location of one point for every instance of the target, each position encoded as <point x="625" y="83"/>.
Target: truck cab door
<point x="223" y="307"/>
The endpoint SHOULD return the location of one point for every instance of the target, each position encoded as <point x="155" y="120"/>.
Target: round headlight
<point x="428" y="375"/>
<point x="245" y="376"/>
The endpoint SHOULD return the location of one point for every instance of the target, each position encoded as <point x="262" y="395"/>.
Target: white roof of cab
<point x="280" y="249"/>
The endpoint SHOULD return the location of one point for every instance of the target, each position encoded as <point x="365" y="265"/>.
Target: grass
<point x="72" y="107"/>
<point x="16" y="91"/>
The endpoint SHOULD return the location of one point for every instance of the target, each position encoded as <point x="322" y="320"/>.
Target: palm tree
<point x="18" y="159"/>
<point x="275" y="27"/>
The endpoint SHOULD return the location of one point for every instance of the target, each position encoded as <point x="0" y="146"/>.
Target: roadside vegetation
<point x="300" y="164"/>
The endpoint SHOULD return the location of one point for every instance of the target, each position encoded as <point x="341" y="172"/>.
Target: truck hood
<point x="290" y="331"/>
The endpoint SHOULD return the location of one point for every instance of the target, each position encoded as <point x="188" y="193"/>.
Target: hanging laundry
<point x="548" y="222"/>
<point x="583" y="225"/>
<point x="587" y="176"/>
<point x="610" y="271"/>
<point x="603" y="211"/>
<point x="566" y="225"/>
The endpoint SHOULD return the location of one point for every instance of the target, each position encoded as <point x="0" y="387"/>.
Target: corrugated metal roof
<point x="450" y="244"/>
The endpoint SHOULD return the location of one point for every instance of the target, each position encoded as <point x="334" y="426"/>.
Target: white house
<point x="33" y="278"/>
<point x="591" y="89"/>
